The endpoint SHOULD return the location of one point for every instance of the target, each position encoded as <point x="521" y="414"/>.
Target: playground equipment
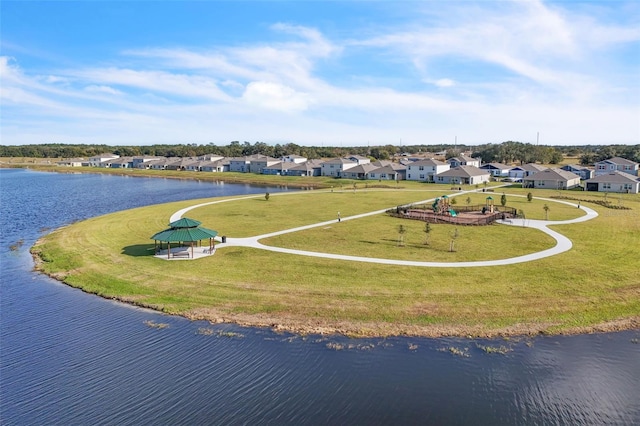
<point x="488" y="207"/>
<point x="441" y="206"/>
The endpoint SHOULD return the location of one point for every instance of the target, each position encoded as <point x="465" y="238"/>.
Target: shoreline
<point x="307" y="326"/>
<point x="303" y="325"/>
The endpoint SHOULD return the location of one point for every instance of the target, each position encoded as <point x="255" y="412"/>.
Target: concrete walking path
<point x="563" y="243"/>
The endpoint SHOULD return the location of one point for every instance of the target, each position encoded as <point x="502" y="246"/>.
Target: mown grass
<point x="593" y="284"/>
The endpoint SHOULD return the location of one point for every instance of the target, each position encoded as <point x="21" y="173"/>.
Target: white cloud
<point x="102" y="89"/>
<point x="275" y="96"/>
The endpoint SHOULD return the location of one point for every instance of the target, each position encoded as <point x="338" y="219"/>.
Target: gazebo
<point x="182" y="232"/>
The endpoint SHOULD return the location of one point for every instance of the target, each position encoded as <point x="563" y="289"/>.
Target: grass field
<point x="594" y="286"/>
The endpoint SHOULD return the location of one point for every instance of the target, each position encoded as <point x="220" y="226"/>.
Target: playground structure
<point x="441" y="211"/>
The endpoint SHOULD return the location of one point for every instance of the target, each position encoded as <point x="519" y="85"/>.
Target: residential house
<point x="121" y="163"/>
<point x="293" y="159"/>
<point x="468" y="175"/>
<point x="521" y="172"/>
<point x="388" y="172"/>
<point x="143" y="162"/>
<point x="102" y="160"/>
<point x="463" y="160"/>
<point x="552" y="179"/>
<point x="260" y="162"/>
<point x="616" y="163"/>
<point x="239" y="164"/>
<point x="582" y="171"/>
<point x="336" y="166"/>
<point x="179" y="163"/>
<point x="160" y="164"/>
<point x="210" y="157"/>
<point x="357" y="172"/>
<point x="496" y="169"/>
<point x="308" y="168"/>
<point x="615" y="181"/>
<point x="281" y="168"/>
<point x="426" y="170"/>
<point x="220" y="166"/>
<point x="359" y="159"/>
<point x="72" y="162"/>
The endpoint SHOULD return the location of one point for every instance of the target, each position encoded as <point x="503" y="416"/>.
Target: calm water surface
<point x="70" y="358"/>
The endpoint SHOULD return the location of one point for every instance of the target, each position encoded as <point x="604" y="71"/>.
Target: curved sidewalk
<point x="563" y="243"/>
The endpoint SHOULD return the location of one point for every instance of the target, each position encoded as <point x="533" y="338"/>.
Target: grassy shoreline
<point x="593" y="287"/>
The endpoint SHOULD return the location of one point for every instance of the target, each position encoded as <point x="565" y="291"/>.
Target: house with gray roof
<point x="259" y="162"/>
<point x="615" y="181"/>
<point x="388" y="172"/>
<point x="524" y="170"/>
<point x="426" y="170"/>
<point x="467" y="175"/>
<point x="308" y="168"/>
<point x="280" y="169"/>
<point x="102" y="160"/>
<point x="358" y="172"/>
<point x="336" y="166"/>
<point x="121" y="163"/>
<point x="463" y="160"/>
<point x="496" y="169"/>
<point x="582" y="171"/>
<point x="551" y="179"/>
<point x="616" y="163"/>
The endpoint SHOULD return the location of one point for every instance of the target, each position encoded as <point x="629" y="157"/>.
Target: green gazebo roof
<point x="178" y="235"/>
<point x="184" y="230"/>
<point x="185" y="222"/>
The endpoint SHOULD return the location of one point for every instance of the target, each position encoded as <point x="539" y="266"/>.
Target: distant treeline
<point x="505" y="152"/>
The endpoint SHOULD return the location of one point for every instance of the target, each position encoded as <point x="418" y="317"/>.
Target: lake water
<point x="72" y="358"/>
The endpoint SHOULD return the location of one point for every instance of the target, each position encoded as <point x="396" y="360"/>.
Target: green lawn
<point x="593" y="285"/>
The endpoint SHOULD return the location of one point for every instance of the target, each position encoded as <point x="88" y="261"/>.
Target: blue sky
<point x="320" y="73"/>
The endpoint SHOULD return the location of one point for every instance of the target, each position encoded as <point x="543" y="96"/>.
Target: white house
<point x="293" y="159"/>
<point x="336" y="166"/>
<point x="616" y="163"/>
<point x="615" y="181"/>
<point x="425" y="170"/>
<point x="463" y="160"/>
<point x="99" y="160"/>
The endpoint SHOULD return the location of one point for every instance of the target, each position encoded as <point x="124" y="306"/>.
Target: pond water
<point x="67" y="357"/>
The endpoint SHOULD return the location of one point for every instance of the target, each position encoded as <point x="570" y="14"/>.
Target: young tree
<point x="529" y="196"/>
<point x="546" y="212"/>
<point x="266" y="196"/>
<point x="427" y="231"/>
<point x="454" y="236"/>
<point x="401" y="231"/>
<point x="503" y="199"/>
<point x="468" y="200"/>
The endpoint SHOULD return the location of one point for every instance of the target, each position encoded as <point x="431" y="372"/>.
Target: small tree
<point x="503" y="199"/>
<point x="468" y="200"/>
<point x="401" y="231"/>
<point x="454" y="236"/>
<point x="427" y="231"/>
<point x="529" y="196"/>
<point x="266" y="196"/>
<point x="454" y="201"/>
<point x="546" y="212"/>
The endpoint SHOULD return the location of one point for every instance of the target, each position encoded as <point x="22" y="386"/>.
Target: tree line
<point x="507" y="152"/>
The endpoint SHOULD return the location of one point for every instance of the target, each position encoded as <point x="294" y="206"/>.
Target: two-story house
<point x="616" y="163"/>
<point x="426" y="170"/>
